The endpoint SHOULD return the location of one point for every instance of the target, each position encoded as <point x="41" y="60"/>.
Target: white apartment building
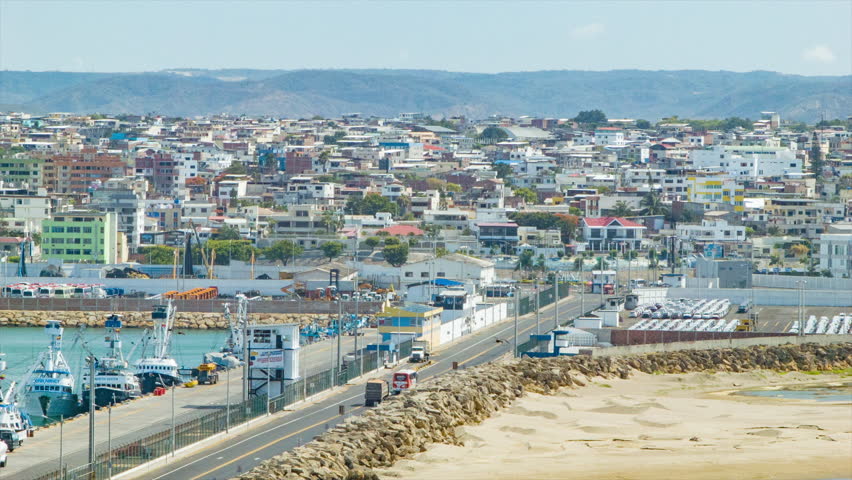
<point x="835" y="254"/>
<point x="609" y="137"/>
<point x="711" y="231"/>
<point x="747" y="161"/>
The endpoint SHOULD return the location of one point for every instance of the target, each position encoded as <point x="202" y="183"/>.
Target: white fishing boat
<point x="157" y="368"/>
<point x="232" y="353"/>
<point x="14" y="425"/>
<point x="114" y="381"/>
<point x="49" y="385"/>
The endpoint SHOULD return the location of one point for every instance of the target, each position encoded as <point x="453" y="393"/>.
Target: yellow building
<point x="424" y="321"/>
<point x="710" y="190"/>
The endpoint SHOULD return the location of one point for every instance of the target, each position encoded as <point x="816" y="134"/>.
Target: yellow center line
<point x="267" y="445"/>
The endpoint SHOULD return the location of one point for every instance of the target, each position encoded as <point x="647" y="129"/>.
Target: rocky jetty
<point x="187" y="320"/>
<point x="407" y="424"/>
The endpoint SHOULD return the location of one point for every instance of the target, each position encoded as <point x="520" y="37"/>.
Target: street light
<point x="516" y="293"/>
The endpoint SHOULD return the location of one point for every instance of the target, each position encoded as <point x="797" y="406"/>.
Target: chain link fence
<point x="128" y="455"/>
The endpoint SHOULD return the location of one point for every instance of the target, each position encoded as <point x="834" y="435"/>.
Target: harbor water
<point x="23" y="345"/>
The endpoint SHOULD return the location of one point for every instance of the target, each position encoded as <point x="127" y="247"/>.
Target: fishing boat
<point x="49" y="385"/>
<point x="14" y="424"/>
<point x="232" y="353"/>
<point x="158" y="368"/>
<point x="114" y="381"/>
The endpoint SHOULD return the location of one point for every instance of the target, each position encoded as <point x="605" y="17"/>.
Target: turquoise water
<point x="23" y="345"/>
<point x="819" y="393"/>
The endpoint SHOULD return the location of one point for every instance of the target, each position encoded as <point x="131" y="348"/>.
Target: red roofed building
<point x="608" y="233"/>
<point x="402" y="230"/>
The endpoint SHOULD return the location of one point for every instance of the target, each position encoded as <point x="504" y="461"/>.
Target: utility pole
<point x="339" y="333"/>
<point x="61" y="428"/>
<point x="555" y="300"/>
<point x="109" y="439"/>
<point x="228" y="398"/>
<point x="174" y="392"/>
<point x="537" y="312"/>
<point x="517" y="307"/>
<point x="92" y="362"/>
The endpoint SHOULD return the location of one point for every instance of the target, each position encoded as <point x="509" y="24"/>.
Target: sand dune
<point x="652" y="427"/>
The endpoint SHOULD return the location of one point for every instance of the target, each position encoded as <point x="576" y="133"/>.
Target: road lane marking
<point x="269" y="444"/>
<point x="252" y="438"/>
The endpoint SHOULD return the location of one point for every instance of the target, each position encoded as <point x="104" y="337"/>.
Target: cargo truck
<point x="420" y="351"/>
<point x="208" y="374"/>
<point x="376" y="391"/>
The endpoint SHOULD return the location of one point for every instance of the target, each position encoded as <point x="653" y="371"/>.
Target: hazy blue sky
<point x="802" y="37"/>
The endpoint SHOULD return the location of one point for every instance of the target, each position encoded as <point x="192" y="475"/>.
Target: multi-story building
<point x="609" y="233"/>
<point x="801" y="216"/>
<point x="423" y="201"/>
<point x="609" y="136"/>
<point x="126" y="198"/>
<point x="81" y="236"/>
<point x="715" y="190"/>
<point x="456" y="218"/>
<point x="747" y="161"/>
<point x="711" y="230"/>
<point x="834" y="252"/>
<point x="161" y="171"/>
<point x="23" y="172"/>
<point x="80" y="172"/>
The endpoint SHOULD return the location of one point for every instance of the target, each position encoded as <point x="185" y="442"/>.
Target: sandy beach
<point x="653" y="427"/>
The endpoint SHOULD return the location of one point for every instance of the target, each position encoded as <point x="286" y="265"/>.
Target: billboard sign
<point x="273" y="358"/>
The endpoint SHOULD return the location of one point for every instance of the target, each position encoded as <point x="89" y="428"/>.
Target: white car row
<point x="838" y="325"/>
<point x="687" y="309"/>
<point x="720" y="325"/>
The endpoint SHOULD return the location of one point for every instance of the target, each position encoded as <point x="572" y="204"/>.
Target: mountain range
<point x="304" y="93"/>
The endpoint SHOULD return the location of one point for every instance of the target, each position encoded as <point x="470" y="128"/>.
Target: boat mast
<point x="163" y="332"/>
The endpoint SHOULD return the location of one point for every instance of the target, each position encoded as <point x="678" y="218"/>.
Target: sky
<point x="798" y="37"/>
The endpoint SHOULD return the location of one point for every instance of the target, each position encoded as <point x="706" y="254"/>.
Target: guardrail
<point x="133" y="453"/>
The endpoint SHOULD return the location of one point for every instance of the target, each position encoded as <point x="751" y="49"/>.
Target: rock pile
<point x="407" y="424"/>
<point x="187" y="320"/>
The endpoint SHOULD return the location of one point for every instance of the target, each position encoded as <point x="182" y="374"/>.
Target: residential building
<point x="712" y="190"/>
<point x="608" y="233"/>
<point x="423" y="322"/>
<point x="711" y="230"/>
<point x="747" y="161"/>
<point x="609" y="136"/>
<point x="834" y="253"/>
<point x="25" y="172"/>
<point x="80" y="172"/>
<point x="81" y="236"/>
<point x="126" y="198"/>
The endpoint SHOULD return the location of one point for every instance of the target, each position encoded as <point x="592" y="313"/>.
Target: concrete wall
<point x="715" y="344"/>
<point x="213" y="306"/>
<point x="639" y="337"/>
<point x="762" y="296"/>
<point x="156" y="286"/>
<point x="813" y="283"/>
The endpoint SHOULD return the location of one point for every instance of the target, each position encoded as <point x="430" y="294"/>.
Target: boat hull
<point x="45" y="409"/>
<point x="150" y="380"/>
<point x="108" y="396"/>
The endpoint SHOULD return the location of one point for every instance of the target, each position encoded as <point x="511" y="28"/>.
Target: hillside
<point x="620" y="93"/>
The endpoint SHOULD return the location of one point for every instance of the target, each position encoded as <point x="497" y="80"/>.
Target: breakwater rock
<point x="407" y="424"/>
<point x="187" y="320"/>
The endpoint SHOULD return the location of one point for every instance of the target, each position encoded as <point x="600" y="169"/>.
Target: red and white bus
<point x="404" y="380"/>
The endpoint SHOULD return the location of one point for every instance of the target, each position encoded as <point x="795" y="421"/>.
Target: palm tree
<point x="653" y="204"/>
<point x="622" y="209"/>
<point x="331" y="221"/>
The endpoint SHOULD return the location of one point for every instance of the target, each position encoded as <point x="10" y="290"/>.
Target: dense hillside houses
<point x="415" y="197"/>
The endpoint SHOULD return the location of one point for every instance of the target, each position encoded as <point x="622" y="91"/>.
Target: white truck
<point x="420" y="351"/>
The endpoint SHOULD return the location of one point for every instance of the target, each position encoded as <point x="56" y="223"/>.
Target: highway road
<point x="148" y="415"/>
<point x="237" y="454"/>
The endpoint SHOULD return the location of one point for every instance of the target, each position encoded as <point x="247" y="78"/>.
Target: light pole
<point x="228" y="398"/>
<point x="109" y="439"/>
<point x="537" y="313"/>
<point x="92" y="362"/>
<point x="517" y="292"/>
<point x="555" y="300"/>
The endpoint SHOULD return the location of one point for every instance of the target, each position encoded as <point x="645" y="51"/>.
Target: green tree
<point x="227" y="250"/>
<point x="441" y="251"/>
<point x="370" y="204"/>
<point x="525" y="260"/>
<point x="653" y="204"/>
<point x="502" y="169"/>
<point x="817" y="163"/>
<point x="158" y="254"/>
<point x="228" y="233"/>
<point x="749" y="232"/>
<point x="454" y="187"/>
<point x="622" y="209"/>
<point x="283" y="251"/>
<point x="493" y="135"/>
<point x="396" y="255"/>
<point x="333" y="138"/>
<point x="236" y="168"/>
<point x="591" y="117"/>
<point x="527" y="194"/>
<point x="331" y="221"/>
<point x="773" y="231"/>
<point x="372" y="242"/>
<point x="332" y="250"/>
<point x="392" y="241"/>
<point x="643" y="124"/>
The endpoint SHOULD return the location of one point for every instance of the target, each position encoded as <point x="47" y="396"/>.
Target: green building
<point x="80" y="236"/>
<point x="23" y="170"/>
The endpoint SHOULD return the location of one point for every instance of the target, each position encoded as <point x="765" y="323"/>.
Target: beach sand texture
<point x="685" y="426"/>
